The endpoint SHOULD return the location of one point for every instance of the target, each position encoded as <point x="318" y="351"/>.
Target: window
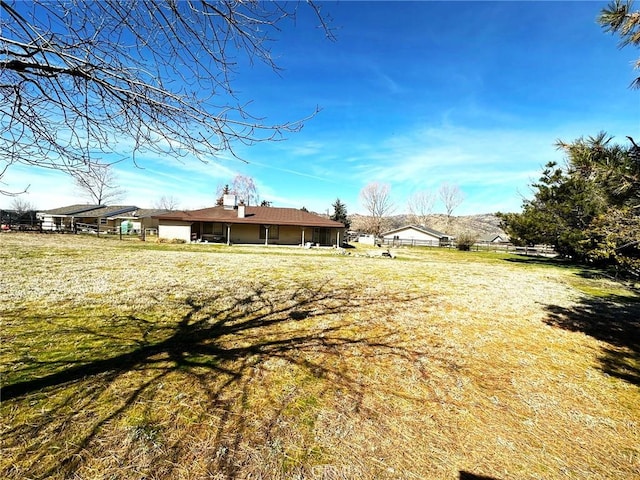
<point x="274" y="232"/>
<point x="207" y="228"/>
<point x="322" y="236"/>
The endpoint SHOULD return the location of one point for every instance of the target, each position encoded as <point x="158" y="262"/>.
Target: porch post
<point x="228" y="234"/>
<point x="338" y="238"/>
<point x="266" y="235"/>
<point x="302" y="236"/>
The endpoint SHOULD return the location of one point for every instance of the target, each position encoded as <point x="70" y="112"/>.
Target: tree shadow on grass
<point x="471" y="476"/>
<point x="547" y="262"/>
<point x="581" y="270"/>
<point x="220" y="347"/>
<point x="612" y="319"/>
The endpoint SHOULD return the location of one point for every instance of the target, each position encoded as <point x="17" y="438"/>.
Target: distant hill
<point x="480" y="225"/>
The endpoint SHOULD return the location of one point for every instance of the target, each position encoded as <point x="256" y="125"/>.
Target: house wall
<point x="245" y="233"/>
<point x="411" y="237"/>
<point x="367" y="239"/>
<point x="58" y="222"/>
<point x="175" y="230"/>
<point x="49" y="223"/>
<point x="411" y="234"/>
<point x="291" y="236"/>
<point x="287" y="235"/>
<point x="148" y="222"/>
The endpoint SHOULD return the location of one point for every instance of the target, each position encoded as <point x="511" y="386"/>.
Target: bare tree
<point x="376" y="199"/>
<point x="98" y="184"/>
<point x="451" y="197"/>
<point x="245" y="188"/>
<point x="166" y="202"/>
<point x="23" y="212"/>
<point x="80" y="77"/>
<point x="21" y="206"/>
<point x="420" y="207"/>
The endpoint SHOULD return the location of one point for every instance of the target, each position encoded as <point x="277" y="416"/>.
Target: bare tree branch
<point x="22" y="206"/>
<point x="420" y="206"/>
<point x="451" y="197"/>
<point x="167" y="202"/>
<point x="79" y="78"/>
<point x="245" y="188"/>
<point x="98" y="184"/>
<point x="376" y="199"/>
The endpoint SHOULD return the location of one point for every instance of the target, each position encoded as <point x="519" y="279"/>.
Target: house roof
<point x="91" y="210"/>
<point x="142" y="213"/>
<point x="112" y="211"/>
<point x="492" y="237"/>
<point x="71" y="209"/>
<point x="253" y="215"/>
<point x="419" y="228"/>
<point x="150" y="212"/>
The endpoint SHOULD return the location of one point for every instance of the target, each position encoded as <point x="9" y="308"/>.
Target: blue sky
<point x="412" y="94"/>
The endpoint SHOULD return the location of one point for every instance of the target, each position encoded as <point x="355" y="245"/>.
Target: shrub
<point x="465" y="241"/>
<point x="170" y="240"/>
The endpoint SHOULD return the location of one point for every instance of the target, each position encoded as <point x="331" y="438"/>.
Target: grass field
<point x="127" y="360"/>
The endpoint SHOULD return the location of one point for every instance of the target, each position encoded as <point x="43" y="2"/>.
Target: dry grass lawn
<point x="126" y="360"/>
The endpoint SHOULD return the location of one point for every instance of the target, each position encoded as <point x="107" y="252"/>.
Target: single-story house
<point x="64" y="218"/>
<point x="100" y="218"/>
<point x="415" y="235"/>
<point x="109" y="218"/>
<point x="494" y="238"/>
<point x="233" y="223"/>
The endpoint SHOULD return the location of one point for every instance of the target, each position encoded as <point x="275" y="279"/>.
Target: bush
<point x="170" y="240"/>
<point x="465" y="241"/>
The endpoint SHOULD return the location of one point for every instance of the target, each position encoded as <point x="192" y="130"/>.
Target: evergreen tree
<point x="340" y="213"/>
<point x="618" y="18"/>
<point x="225" y="191"/>
<point x="590" y="209"/>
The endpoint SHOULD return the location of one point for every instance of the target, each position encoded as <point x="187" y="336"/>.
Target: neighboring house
<point x="233" y="223"/>
<point x="493" y="238"/>
<point x="110" y="218"/>
<point x="141" y="221"/>
<point x="96" y="218"/>
<point x="415" y="235"/>
<point x="64" y="219"/>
